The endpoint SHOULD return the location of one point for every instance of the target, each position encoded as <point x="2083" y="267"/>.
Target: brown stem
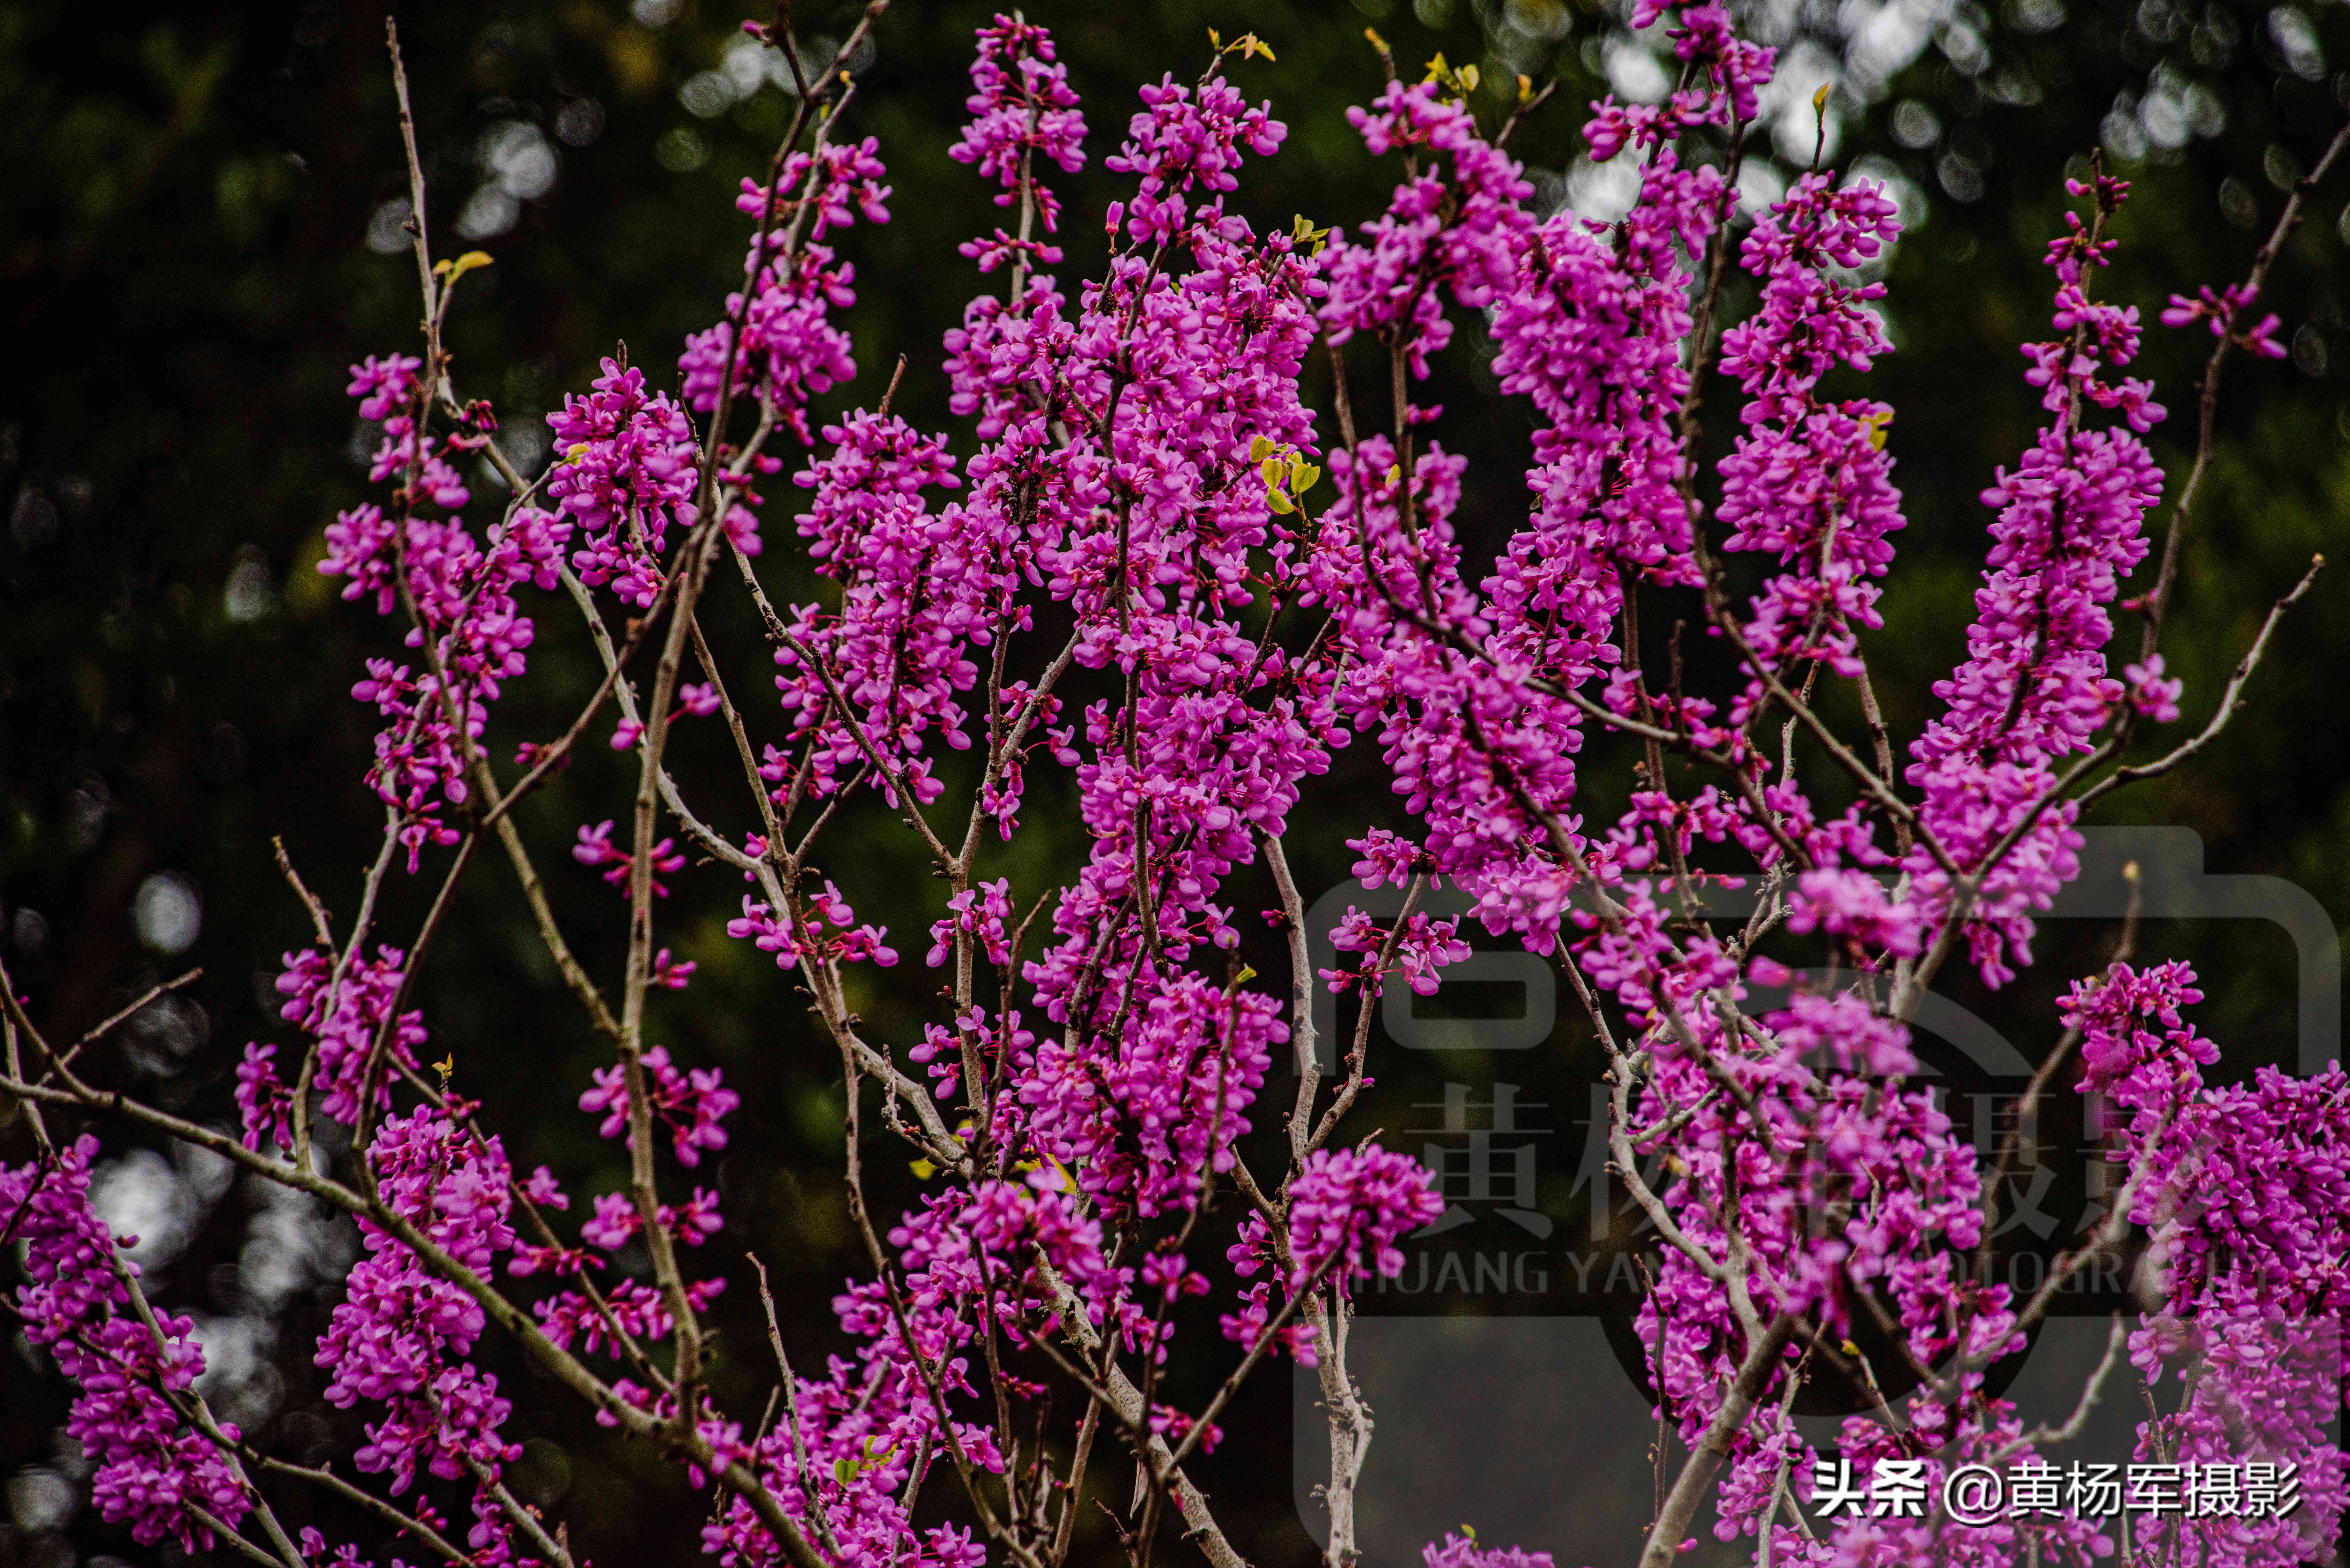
<point x="1695" y="1478"/>
<point x="100" y="1030"/>
<point x="2157" y="600"/>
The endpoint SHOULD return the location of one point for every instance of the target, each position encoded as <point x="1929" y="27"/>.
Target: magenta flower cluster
<point x="344" y="1003"/>
<point x="1022" y="109"/>
<point x="2033" y="689"/>
<point x="152" y="1469"/>
<point x="458" y="594"/>
<point x="1161" y="571"/>
<point x="625" y="473"/>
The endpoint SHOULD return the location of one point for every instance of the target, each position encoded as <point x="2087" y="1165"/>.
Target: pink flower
<point x="1342" y="1202"/>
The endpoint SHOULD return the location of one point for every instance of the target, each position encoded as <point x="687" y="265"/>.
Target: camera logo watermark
<point x="1508" y="1334"/>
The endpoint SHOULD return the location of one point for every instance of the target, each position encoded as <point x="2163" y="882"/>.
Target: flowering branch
<point x="1145" y="467"/>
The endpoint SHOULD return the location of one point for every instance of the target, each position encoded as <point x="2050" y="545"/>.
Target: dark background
<point x="196" y="240"/>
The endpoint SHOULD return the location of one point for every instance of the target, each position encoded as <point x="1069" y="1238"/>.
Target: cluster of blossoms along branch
<point x="1146" y="472"/>
<point x="150" y="1470"/>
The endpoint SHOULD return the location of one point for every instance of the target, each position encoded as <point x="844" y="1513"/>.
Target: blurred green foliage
<point x="199" y="231"/>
